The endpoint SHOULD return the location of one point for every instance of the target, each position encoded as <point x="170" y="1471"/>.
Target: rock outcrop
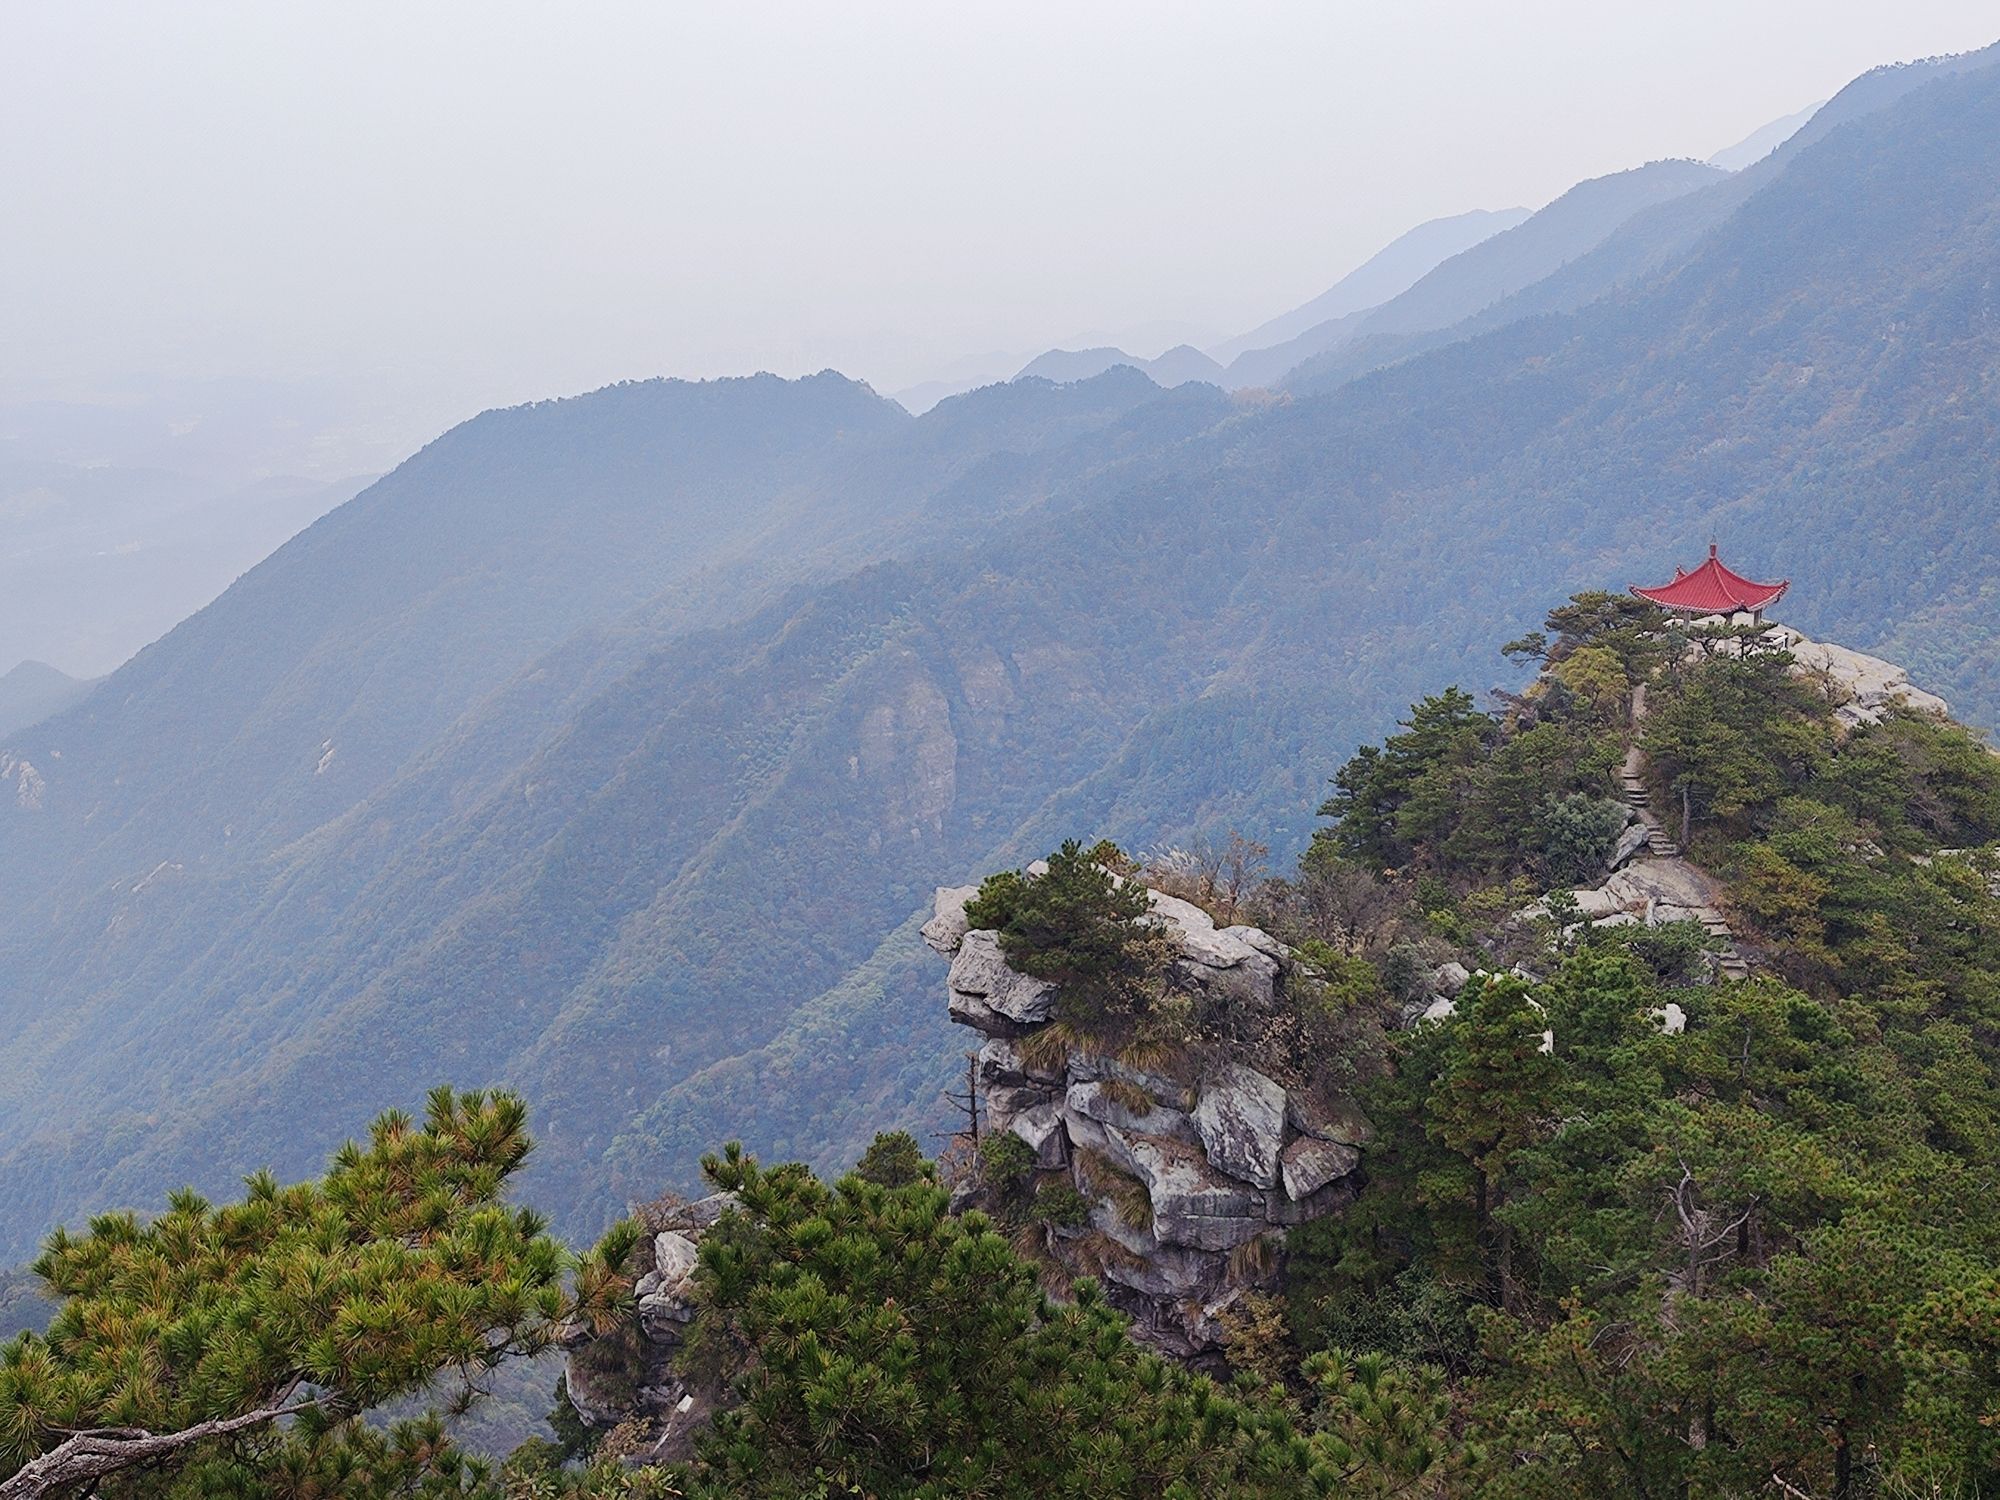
<point x="627" y="1376"/>
<point x="1866" y="686"/>
<point x="1192" y="1174"/>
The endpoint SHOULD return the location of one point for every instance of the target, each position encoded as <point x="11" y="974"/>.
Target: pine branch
<point x="90" y="1455"/>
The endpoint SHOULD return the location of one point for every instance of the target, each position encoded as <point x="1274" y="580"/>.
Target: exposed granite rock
<point x="947" y="926"/>
<point x="1089" y="1098"/>
<point x="1175" y="1093"/>
<point x="1000" y="1062"/>
<point x="1241" y="1119"/>
<point x="1193" y="1204"/>
<point x="1630" y="842"/>
<point x="1223" y="1159"/>
<point x="1042" y="1128"/>
<point x="979" y="972"/>
<point x="1867" y="686"/>
<point x="1338" y="1120"/>
<point x="1309" y="1164"/>
<point x="629" y="1375"/>
<point x="1218" y="958"/>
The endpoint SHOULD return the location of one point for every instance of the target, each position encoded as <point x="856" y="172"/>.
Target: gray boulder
<point x="1309" y="1164"/>
<point x="1336" y="1120"/>
<point x="1449" y="978"/>
<point x="1193" y="1204"/>
<point x="1240" y="1117"/>
<point x="674" y="1259"/>
<point x="1630" y="842"/>
<point x="973" y="1011"/>
<point x="1175" y="1093"/>
<point x="1168" y="1271"/>
<point x="1261" y="940"/>
<point x="1089" y="1098"/>
<point x="1006" y="1105"/>
<point x="1042" y="1128"/>
<point x="980" y="972"/>
<point x="947" y="927"/>
<point x="666" y="1293"/>
<point x="1216" y="958"/>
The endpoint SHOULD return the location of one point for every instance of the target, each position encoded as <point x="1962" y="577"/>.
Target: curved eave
<point x="1763" y="598"/>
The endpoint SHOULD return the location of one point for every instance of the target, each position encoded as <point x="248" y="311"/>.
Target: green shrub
<point x="1573" y="836"/>
<point x="894" y="1160"/>
<point x="1059" y="1205"/>
<point x="1006" y="1160"/>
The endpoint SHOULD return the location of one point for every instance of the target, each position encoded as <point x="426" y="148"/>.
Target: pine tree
<point x="232" y="1349"/>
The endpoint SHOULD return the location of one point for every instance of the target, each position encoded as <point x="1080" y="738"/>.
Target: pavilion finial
<point x="1711" y="544"/>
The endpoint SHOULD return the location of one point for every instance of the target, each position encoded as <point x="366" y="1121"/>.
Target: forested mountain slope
<point x="34" y="691"/>
<point x="684" y="911"/>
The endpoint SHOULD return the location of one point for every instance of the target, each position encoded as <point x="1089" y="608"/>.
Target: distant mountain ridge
<point x="1654" y="237"/>
<point x="34" y="691"/>
<point x="1761" y="142"/>
<point x="1494" y="269"/>
<point x="657" y="714"/>
<point x="1393" y="269"/>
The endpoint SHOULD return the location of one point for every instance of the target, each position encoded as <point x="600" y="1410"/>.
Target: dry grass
<point x="1254" y="1260"/>
<point x="1152" y="1055"/>
<point x="1128" y="1096"/>
<point x="1126" y="1194"/>
<point x="1048" y="1049"/>
<point x="1100" y="1253"/>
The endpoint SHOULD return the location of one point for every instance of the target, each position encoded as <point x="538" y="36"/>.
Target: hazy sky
<point x="475" y="202"/>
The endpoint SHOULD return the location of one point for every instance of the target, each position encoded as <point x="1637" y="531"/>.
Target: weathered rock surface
<point x="1089" y="1098"/>
<point x="1672" y="882"/>
<point x="1042" y="1128"/>
<point x="979" y="973"/>
<point x="1450" y="978"/>
<point x="1193" y="1204"/>
<point x="1869" y="685"/>
<point x="1309" y="1164"/>
<point x="1222" y="1159"/>
<point x="1241" y="1119"/>
<point x="1630" y="842"/>
<point x="947" y="926"/>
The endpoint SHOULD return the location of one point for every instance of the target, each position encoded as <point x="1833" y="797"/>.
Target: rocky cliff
<point x="624" y="1376"/>
<point x="1193" y="1172"/>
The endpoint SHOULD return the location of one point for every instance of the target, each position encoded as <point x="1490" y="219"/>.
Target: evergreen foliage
<point x="882" y="1346"/>
<point x="1077" y="925"/>
<point x="1743" y="1257"/>
<point x="179" y="1342"/>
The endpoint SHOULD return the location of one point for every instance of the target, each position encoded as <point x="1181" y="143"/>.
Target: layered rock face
<point x="1191" y="1176"/>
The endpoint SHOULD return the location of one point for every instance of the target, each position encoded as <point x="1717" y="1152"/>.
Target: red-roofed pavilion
<point x="1712" y="589"/>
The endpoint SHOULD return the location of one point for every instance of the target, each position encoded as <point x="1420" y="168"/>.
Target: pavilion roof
<point x="1712" y="589"/>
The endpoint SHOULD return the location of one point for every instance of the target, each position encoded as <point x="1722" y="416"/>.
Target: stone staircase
<point x="1641" y="802"/>
<point x="1729" y="960"/>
